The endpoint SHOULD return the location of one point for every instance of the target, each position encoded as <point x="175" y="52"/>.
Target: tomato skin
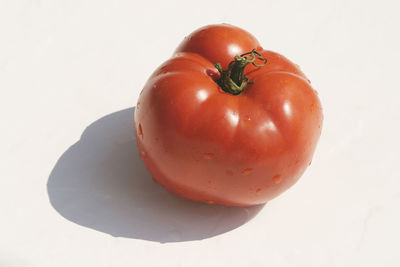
<point x="219" y="43"/>
<point x="207" y="145"/>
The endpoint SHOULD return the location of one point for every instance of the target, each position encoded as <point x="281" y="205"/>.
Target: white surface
<point x="74" y="193"/>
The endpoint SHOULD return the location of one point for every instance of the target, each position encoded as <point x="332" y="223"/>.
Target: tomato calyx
<point x="232" y="80"/>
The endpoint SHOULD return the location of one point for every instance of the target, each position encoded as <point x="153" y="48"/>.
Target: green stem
<point x="232" y="80"/>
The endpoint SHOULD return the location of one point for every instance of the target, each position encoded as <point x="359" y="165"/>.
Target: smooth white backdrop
<point x="73" y="191"/>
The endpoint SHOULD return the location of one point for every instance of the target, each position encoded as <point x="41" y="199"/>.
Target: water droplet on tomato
<point x="140" y="130"/>
<point x="208" y="155"/>
<point x="247" y="171"/>
<point x="143" y="153"/>
<point x="210" y="202"/>
<point x="276" y="179"/>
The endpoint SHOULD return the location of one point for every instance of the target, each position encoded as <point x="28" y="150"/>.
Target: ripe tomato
<point x="236" y="133"/>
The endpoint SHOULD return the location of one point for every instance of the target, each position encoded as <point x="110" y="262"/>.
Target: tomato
<point x="237" y="133"/>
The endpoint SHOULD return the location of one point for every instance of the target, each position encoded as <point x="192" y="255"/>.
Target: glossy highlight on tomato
<point x="205" y="143"/>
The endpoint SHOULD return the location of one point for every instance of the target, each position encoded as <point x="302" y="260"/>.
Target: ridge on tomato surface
<point x="224" y="121"/>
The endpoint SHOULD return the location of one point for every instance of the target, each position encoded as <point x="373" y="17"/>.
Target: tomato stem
<point x="232" y="80"/>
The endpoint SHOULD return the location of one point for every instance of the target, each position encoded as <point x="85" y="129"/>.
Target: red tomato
<point x="204" y="139"/>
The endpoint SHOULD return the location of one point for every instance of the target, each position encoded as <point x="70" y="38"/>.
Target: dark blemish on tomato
<point x="140" y="130"/>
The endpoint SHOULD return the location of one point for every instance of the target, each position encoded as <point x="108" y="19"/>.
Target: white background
<point x="73" y="191"/>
